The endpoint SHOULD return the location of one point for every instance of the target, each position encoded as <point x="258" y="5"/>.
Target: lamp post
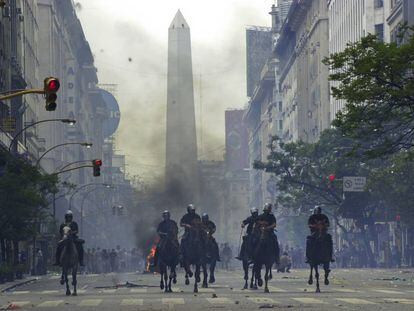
<point x="66" y="121"/>
<point x="83" y="144"/>
<point x="83" y="187"/>
<point x="70" y="164"/>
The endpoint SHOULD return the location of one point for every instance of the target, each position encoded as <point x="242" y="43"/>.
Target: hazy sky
<point x="129" y="41"/>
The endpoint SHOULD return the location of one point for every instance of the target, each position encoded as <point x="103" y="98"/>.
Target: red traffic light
<point x="52" y="85"/>
<point x="97" y="162"/>
<point x="332" y="177"/>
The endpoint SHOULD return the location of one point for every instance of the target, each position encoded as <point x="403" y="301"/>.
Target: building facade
<point x="401" y="11"/>
<point x="300" y="49"/>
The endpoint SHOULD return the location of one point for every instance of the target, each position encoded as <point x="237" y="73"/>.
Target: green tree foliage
<point x="376" y="81"/>
<point x="23" y="197"/>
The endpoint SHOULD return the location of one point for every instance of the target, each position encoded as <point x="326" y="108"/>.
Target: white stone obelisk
<point x="181" y="143"/>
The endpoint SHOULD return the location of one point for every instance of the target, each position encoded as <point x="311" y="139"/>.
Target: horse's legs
<point x="212" y="269"/>
<point x="318" y="290"/>
<point x="327" y="270"/>
<point x="266" y="289"/>
<point x="197" y="278"/>
<point x="174" y="274"/>
<point x="259" y="275"/>
<point x="166" y="278"/>
<point x="187" y="281"/>
<point x="170" y="279"/>
<point x="246" y="274"/>
<point x="74" y="281"/>
<point x="161" y="266"/>
<point x="205" y="275"/>
<point x="67" y="283"/>
<point x="310" y="281"/>
<point x="62" y="278"/>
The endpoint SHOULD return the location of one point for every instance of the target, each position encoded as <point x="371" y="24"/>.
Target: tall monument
<point x="181" y="150"/>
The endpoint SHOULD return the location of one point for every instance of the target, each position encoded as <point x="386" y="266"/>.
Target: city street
<point x="354" y="289"/>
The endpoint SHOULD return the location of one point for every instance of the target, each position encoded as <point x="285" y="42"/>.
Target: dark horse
<point x="69" y="260"/>
<point x="210" y="260"/>
<point x="247" y="261"/>
<point x="264" y="254"/>
<point x="194" y="252"/>
<point x="319" y="252"/>
<point x="168" y="252"/>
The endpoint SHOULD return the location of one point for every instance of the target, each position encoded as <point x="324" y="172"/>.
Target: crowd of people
<point x="114" y="260"/>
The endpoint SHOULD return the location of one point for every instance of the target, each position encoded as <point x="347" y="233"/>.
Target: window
<point x="280" y="107"/>
<point x="379" y="31"/>
<point x="378" y="4"/>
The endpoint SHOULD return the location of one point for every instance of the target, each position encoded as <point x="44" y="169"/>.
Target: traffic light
<point x="51" y="87"/>
<point x="97" y="163"/>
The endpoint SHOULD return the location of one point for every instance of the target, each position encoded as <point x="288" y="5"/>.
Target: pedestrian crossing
<point x="212" y="301"/>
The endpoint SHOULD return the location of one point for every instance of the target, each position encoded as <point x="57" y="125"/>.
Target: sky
<point x="129" y="40"/>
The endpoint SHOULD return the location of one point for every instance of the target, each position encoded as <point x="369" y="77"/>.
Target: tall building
<point x="401" y="11"/>
<point x="300" y="49"/>
<point x="181" y="144"/>
<point x="349" y="21"/>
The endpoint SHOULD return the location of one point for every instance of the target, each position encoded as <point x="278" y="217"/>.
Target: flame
<point x="151" y="254"/>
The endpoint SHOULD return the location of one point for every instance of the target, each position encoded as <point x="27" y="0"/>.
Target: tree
<point x="377" y="82"/>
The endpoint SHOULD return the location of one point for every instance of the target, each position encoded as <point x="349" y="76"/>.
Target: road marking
<point x="81" y="291"/>
<point x="221" y="301"/>
<point x="132" y="302"/>
<point x="173" y="301"/>
<point x="90" y="302"/>
<point x="55" y="277"/>
<point x="386" y="291"/>
<point x="50" y="292"/>
<point x="262" y="300"/>
<point x="276" y="289"/>
<point x="21" y="292"/>
<point x="50" y="304"/>
<point x="344" y="290"/>
<point x="109" y="291"/>
<point x="206" y="290"/>
<point x="356" y="301"/>
<point x="139" y="290"/>
<point x="403" y="301"/>
<point x="308" y="300"/>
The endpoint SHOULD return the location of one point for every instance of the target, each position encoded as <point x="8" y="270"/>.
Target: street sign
<point x="354" y="184"/>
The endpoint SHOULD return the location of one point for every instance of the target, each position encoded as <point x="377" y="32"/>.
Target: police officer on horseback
<point x="167" y="229"/>
<point x="249" y="222"/>
<point x="74" y="233"/>
<point x="210" y="227"/>
<point x="187" y="221"/>
<point x="318" y="224"/>
<point x="269" y="220"/>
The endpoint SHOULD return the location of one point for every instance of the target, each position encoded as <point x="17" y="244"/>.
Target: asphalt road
<point x="355" y="289"/>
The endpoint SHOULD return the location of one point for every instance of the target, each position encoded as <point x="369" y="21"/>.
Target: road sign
<point x="354" y="184"/>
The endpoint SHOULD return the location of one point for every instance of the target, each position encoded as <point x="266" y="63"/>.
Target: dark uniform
<point x="79" y="243"/>
<point x="270" y="219"/>
<point x="166" y="229"/>
<point x="188" y="219"/>
<point x="318" y="218"/>
<point x="210" y="228"/>
<point x="245" y="249"/>
<point x="250" y="222"/>
<point x="313" y="221"/>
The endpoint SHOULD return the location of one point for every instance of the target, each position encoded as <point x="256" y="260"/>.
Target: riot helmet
<point x="166" y="215"/>
<point x="204" y="217"/>
<point x="267" y="208"/>
<point x="254" y="211"/>
<point x="191" y="209"/>
<point x="317" y="210"/>
<point x="68" y="216"/>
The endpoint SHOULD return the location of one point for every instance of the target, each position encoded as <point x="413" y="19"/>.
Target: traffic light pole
<point x="71" y="169"/>
<point x="21" y="93"/>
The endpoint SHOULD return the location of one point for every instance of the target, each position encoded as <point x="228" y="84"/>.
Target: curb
<point x="18" y="285"/>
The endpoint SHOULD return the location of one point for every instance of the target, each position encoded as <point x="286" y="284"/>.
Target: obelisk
<point x="181" y="143"/>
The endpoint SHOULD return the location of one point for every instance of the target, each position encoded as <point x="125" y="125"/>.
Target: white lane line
<point x="173" y="301"/>
<point x="109" y="291"/>
<point x="47" y="292"/>
<point x="403" y="301"/>
<point x="309" y="300"/>
<point x="344" y="290"/>
<point x="19" y="303"/>
<point x="55" y="277"/>
<point x="132" y="302"/>
<point x="276" y="289"/>
<point x="21" y="292"/>
<point x="81" y="291"/>
<point x="90" y="303"/>
<point x="219" y="301"/>
<point x="139" y="290"/>
<point x="386" y="291"/>
<point x="206" y="290"/>
<point x="50" y="304"/>
<point x="262" y="300"/>
<point x="356" y="301"/>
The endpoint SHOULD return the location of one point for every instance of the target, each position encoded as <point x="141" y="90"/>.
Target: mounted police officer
<point x="167" y="229"/>
<point x="269" y="220"/>
<point x="187" y="221"/>
<point x="249" y="222"/>
<point x="318" y="224"/>
<point x="74" y="232"/>
<point x="210" y="227"/>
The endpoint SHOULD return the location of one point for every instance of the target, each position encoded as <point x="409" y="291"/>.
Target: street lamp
<point x="72" y="163"/>
<point x="83" y="187"/>
<point x="83" y="144"/>
<point x="66" y="121"/>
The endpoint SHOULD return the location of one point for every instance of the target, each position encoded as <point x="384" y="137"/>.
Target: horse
<point x="168" y="252"/>
<point x="319" y="252"/>
<point x="210" y="260"/>
<point x="193" y="252"/>
<point x="246" y="258"/>
<point x="69" y="260"/>
<point x="264" y="254"/>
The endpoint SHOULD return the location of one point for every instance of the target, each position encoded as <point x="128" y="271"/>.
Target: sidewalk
<point x="16" y="283"/>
